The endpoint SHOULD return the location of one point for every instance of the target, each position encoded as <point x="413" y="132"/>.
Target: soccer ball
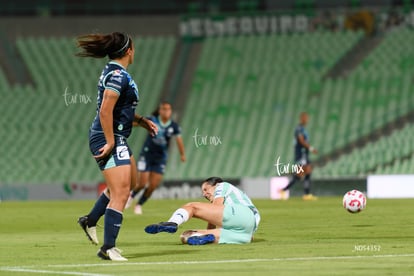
<point x="354" y="201"/>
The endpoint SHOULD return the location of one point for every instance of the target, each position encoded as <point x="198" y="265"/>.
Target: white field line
<point x="293" y="259"/>
<point x="321" y="258"/>
<point x="41" y="271"/>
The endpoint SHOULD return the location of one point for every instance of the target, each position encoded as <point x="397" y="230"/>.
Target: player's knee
<point x="190" y="205"/>
<point x="300" y="174"/>
<point x="305" y="169"/>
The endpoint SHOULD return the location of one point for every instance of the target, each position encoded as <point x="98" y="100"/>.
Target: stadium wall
<point x="174" y="189"/>
<point x="375" y="186"/>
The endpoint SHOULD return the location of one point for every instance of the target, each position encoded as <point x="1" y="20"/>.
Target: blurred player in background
<point x="302" y="149"/>
<point x="116" y="103"/>
<point x="154" y="153"/>
<point x="231" y="216"/>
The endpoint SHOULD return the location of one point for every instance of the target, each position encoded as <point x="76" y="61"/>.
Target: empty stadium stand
<point x="47" y="124"/>
<point x="239" y="117"/>
<point x="249" y="91"/>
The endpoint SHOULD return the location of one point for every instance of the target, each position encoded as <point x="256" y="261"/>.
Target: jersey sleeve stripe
<point x="109" y="87"/>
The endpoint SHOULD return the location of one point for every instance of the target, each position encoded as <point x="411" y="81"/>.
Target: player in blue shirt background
<point x="154" y="154"/>
<point x="117" y="99"/>
<point x="302" y="150"/>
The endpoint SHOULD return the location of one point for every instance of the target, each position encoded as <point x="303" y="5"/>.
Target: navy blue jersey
<point x="157" y="147"/>
<point x="300" y="151"/>
<point x="115" y="78"/>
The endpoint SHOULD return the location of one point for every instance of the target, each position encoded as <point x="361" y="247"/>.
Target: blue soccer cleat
<point x="201" y="240"/>
<point x="169" y="227"/>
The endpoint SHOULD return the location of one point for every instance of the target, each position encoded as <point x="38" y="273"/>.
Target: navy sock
<point x="143" y="198"/>
<point x="291" y="182"/>
<point x="98" y="210"/>
<point x="134" y="193"/>
<point x="307" y="184"/>
<point x="113" y="221"/>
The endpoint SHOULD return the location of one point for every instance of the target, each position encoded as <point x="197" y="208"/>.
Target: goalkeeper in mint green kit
<point x="231" y="216"/>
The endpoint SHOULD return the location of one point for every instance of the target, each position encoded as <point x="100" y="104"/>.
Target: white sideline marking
<point x="318" y="258"/>
<point x="27" y="270"/>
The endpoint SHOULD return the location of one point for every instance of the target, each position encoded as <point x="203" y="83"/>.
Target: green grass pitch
<point x="294" y="238"/>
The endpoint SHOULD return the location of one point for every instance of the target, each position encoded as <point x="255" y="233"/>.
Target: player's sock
<point x="143" y="198"/>
<point x="133" y="193"/>
<point x="180" y="216"/>
<point x="98" y="209"/>
<point x="113" y="221"/>
<point x="291" y="182"/>
<point x="307" y="184"/>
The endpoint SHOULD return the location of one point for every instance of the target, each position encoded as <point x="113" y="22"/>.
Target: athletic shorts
<point x="147" y="164"/>
<point x="121" y="153"/>
<point x="238" y="224"/>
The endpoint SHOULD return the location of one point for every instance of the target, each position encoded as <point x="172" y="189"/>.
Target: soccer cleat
<point x="89" y="231"/>
<point x="129" y="202"/>
<point x="309" y="197"/>
<point x="138" y="209"/>
<point x="188" y="233"/>
<point x="201" y="240"/>
<point x="112" y="254"/>
<point x="169" y="227"/>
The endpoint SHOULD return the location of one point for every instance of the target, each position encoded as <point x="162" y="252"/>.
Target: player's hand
<point x="150" y="126"/>
<point x="313" y="150"/>
<point x="182" y="157"/>
<point x="104" y="151"/>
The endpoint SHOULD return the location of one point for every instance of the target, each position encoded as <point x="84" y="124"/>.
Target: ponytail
<point x="113" y="45"/>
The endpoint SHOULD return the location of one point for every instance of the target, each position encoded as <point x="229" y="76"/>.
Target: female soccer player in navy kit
<point x="117" y="99"/>
<point x="302" y="150"/>
<point x="153" y="156"/>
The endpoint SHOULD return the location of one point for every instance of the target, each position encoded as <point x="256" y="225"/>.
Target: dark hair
<point x="156" y="111"/>
<point x="213" y="180"/>
<point x="113" y="45"/>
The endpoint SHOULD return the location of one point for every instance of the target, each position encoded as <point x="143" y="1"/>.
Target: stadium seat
<point x="389" y="154"/>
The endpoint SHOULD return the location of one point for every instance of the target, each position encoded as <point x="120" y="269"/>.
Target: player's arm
<point x="137" y="120"/>
<point x="302" y="141"/>
<point x="216" y="201"/>
<point x="109" y="100"/>
<point x="145" y="123"/>
<point x="180" y="145"/>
